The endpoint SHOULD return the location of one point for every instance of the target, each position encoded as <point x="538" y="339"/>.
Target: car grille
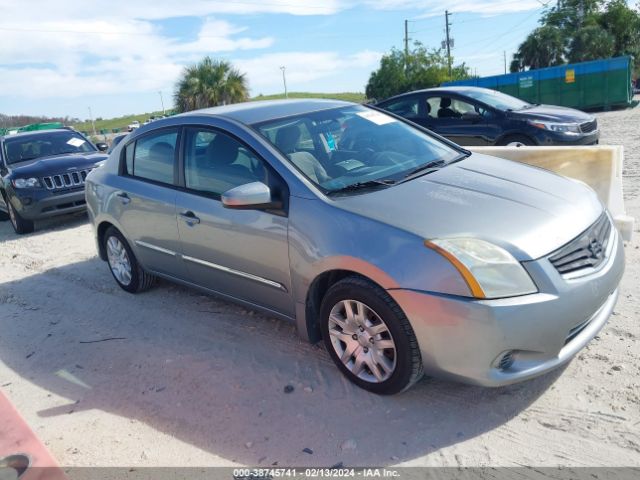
<point x="66" y="180"/>
<point x="589" y="127"/>
<point x="586" y="251"/>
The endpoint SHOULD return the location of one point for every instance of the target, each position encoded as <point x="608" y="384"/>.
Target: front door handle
<point x="124" y="197"/>
<point x="190" y="217"/>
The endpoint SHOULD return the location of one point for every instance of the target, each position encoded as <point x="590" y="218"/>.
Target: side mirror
<point x="103" y="147"/>
<point x="472" y="116"/>
<point x="255" y="195"/>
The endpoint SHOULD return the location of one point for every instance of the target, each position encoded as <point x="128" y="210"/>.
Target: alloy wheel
<point x="119" y="261"/>
<point x="362" y="341"/>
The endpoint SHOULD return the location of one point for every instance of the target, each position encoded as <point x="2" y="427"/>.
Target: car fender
<point x="324" y="238"/>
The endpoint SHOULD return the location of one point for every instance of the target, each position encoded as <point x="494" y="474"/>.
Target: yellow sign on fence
<point x="570" y="76"/>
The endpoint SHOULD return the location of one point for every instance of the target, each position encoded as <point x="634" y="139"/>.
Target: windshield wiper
<point x="431" y="167"/>
<point x="362" y="185"/>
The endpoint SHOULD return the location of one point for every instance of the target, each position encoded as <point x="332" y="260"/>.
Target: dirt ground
<point x="188" y="380"/>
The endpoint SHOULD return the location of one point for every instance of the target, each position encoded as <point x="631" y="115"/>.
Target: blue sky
<point x="60" y="57"/>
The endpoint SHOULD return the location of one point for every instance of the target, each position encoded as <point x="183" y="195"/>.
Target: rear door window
<point x="453" y="108"/>
<point x="405" y="107"/>
<point x="152" y="157"/>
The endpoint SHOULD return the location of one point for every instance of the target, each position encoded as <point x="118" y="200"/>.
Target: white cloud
<point x="432" y="7"/>
<point x="217" y="36"/>
<point x="302" y="68"/>
<point x="75" y="48"/>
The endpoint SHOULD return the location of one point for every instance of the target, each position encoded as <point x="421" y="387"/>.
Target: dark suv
<point x="42" y="174"/>
<point x="479" y="116"/>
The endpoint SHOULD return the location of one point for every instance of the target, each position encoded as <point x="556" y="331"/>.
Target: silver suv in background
<point x="403" y="252"/>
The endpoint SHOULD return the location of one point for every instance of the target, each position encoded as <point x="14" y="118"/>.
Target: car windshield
<point x="343" y="148"/>
<point x="29" y="147"/>
<point x="497" y="100"/>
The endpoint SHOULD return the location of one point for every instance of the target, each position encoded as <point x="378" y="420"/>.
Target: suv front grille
<point x="66" y="180"/>
<point x="586" y="251"/>
<point x="589" y="127"/>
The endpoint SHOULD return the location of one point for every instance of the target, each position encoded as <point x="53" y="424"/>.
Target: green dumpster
<point x="40" y="126"/>
<point x="598" y="84"/>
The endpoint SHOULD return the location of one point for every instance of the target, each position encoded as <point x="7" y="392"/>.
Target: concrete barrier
<point x="600" y="167"/>
<point x="22" y="455"/>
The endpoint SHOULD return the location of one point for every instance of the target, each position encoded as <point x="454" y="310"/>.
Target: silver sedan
<point x="401" y="251"/>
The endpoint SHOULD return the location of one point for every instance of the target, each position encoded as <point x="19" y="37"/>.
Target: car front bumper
<point x="464" y="339"/>
<point x="41" y="204"/>
<point x="547" y="138"/>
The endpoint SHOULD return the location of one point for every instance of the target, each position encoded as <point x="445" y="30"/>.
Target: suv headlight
<point x="26" y="183"/>
<point x="568" y="128"/>
<point x="489" y="271"/>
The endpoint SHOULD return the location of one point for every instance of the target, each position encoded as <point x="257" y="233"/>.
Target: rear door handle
<point x="190" y="218"/>
<point x="124" y="197"/>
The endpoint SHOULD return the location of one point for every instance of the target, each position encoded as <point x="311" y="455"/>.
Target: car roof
<point x="264" y="110"/>
<point x="451" y="89"/>
<point x="37" y="132"/>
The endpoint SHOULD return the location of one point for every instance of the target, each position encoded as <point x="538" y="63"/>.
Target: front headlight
<point x="26" y="183"/>
<point x="568" y="128"/>
<point x="489" y="271"/>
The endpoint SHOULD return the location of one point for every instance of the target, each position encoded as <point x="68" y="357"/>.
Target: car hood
<point x="552" y="113"/>
<point x="44" y="166"/>
<point x="529" y="211"/>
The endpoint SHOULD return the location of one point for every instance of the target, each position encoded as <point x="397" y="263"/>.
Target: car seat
<point x="160" y="165"/>
<point x="287" y="139"/>
<point x="216" y="170"/>
<point x="445" y="109"/>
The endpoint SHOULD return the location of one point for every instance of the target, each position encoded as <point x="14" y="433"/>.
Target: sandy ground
<point x="190" y="380"/>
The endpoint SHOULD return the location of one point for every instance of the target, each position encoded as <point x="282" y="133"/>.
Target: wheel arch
<point x="506" y="136"/>
<point x="308" y="321"/>
<point x="101" y="229"/>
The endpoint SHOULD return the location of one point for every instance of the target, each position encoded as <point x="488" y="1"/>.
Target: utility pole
<point x="406" y="45"/>
<point x="92" y="122"/>
<point x="162" y="102"/>
<point x="505" y="62"/>
<point x="447" y="25"/>
<point x="406" y="39"/>
<point x="284" y="80"/>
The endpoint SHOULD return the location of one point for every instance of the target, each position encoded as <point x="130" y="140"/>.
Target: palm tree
<point x="208" y="84"/>
<point x="544" y="47"/>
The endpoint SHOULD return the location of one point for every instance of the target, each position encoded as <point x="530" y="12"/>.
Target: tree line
<point x="580" y="30"/>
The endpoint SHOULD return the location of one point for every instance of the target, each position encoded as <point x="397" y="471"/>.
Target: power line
<point x="492" y="39"/>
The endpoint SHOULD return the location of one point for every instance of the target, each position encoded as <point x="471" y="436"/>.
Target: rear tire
<point x="124" y="266"/>
<point x="20" y="225"/>
<point x="369" y="337"/>
<point x="516" y="141"/>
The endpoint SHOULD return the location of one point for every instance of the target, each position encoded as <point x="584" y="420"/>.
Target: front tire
<point x="20" y="225"/>
<point x="124" y="266"/>
<point x="369" y="337"/>
<point x="516" y="141"/>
